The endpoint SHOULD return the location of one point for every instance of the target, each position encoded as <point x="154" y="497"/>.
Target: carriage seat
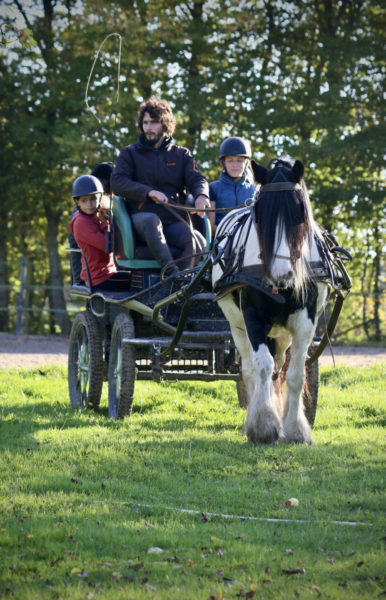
<point x="131" y="253"/>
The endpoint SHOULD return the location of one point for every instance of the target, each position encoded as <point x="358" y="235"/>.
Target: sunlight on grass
<point x="84" y="498"/>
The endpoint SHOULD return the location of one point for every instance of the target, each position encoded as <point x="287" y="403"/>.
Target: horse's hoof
<point x="304" y="442"/>
<point x="298" y="432"/>
<point x="267" y="437"/>
<point x="298" y="438"/>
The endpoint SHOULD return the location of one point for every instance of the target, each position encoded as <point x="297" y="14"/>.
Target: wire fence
<point x="21" y="299"/>
<point x="27" y="300"/>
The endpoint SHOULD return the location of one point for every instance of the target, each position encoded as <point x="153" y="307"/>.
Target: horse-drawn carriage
<point x="163" y="328"/>
<point x="172" y="328"/>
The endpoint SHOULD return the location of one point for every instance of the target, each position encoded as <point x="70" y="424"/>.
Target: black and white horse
<point x="262" y="273"/>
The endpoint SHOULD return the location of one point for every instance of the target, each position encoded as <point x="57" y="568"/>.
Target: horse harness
<point x="229" y="251"/>
<point x="329" y="269"/>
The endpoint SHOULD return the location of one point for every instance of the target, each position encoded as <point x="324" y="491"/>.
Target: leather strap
<point x="330" y="328"/>
<point x="280" y="186"/>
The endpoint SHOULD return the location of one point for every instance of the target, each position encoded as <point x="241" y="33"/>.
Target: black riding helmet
<point x="103" y="171"/>
<point x="235" y="146"/>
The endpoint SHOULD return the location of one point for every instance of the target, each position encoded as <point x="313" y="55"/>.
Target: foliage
<point x="84" y="499"/>
<point x="296" y="78"/>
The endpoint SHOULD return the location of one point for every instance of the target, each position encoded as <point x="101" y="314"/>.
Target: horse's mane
<point x="289" y="210"/>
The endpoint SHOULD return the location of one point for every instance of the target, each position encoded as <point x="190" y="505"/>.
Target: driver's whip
<point x="108" y="233"/>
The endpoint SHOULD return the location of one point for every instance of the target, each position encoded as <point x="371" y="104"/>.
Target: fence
<point x="21" y="305"/>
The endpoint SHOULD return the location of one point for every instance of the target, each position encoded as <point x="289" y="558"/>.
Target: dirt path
<point x="33" y="351"/>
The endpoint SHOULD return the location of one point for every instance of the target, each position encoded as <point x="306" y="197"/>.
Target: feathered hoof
<point x="266" y="435"/>
<point x="298" y="435"/>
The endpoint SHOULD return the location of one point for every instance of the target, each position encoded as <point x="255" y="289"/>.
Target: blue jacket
<point x="226" y="192"/>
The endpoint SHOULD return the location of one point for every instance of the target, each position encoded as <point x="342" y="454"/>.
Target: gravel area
<point x="33" y="351"/>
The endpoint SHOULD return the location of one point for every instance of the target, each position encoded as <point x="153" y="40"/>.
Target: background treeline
<point x="302" y="78"/>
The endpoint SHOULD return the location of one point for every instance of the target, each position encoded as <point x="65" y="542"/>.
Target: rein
<point x="206" y="210"/>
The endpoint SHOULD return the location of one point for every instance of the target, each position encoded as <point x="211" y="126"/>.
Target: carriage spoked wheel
<point x="85" y="362"/>
<point x="121" y="374"/>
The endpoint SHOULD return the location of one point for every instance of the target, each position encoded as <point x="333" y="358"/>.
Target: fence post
<point x="20" y="302"/>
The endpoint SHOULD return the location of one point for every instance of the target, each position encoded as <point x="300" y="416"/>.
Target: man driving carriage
<point x="152" y="175"/>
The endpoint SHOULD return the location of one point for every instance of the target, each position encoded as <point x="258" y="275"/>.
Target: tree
<point x="295" y="77"/>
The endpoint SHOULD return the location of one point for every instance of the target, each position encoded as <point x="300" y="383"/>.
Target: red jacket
<point x="90" y="235"/>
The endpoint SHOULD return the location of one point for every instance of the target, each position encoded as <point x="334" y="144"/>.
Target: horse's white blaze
<point x="281" y="268"/>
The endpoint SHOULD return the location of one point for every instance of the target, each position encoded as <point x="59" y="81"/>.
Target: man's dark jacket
<point x="170" y="169"/>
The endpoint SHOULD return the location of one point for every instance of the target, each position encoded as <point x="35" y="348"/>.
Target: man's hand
<point x="158" y="197"/>
<point x="200" y="203"/>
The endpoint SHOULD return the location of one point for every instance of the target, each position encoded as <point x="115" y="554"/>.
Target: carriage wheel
<point x="85" y="362"/>
<point x="242" y="393"/>
<point x="121" y="374"/>
<point x="310" y="393"/>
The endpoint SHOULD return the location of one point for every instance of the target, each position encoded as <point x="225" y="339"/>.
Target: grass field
<point x="93" y="508"/>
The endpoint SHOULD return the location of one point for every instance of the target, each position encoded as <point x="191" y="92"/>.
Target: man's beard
<point x="154" y="140"/>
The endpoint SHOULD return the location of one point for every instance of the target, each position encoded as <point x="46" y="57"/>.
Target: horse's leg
<point x="295" y="425"/>
<point x="263" y="421"/>
<point x="240" y="338"/>
<point x="282" y="343"/>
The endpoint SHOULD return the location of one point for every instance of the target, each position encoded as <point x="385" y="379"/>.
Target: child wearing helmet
<point x="89" y="231"/>
<point x="233" y="188"/>
<point x="103" y="172"/>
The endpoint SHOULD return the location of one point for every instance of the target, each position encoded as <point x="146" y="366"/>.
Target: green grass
<point x="74" y="488"/>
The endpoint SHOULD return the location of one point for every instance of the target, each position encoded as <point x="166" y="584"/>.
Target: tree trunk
<point x="377" y="287"/>
<point x="57" y="300"/>
<point x="365" y="322"/>
<point x="194" y="79"/>
<point x="4" y="281"/>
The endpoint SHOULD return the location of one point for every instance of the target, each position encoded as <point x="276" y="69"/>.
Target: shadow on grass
<point x="28" y="416"/>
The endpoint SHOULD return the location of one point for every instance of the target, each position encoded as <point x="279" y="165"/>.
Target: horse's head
<point x="278" y="170"/>
<point x="284" y="221"/>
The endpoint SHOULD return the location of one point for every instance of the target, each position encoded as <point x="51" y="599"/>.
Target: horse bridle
<point x="280" y="186"/>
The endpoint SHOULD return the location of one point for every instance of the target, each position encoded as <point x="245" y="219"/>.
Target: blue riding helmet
<point x="235" y="146"/>
<point x="86" y="185"/>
